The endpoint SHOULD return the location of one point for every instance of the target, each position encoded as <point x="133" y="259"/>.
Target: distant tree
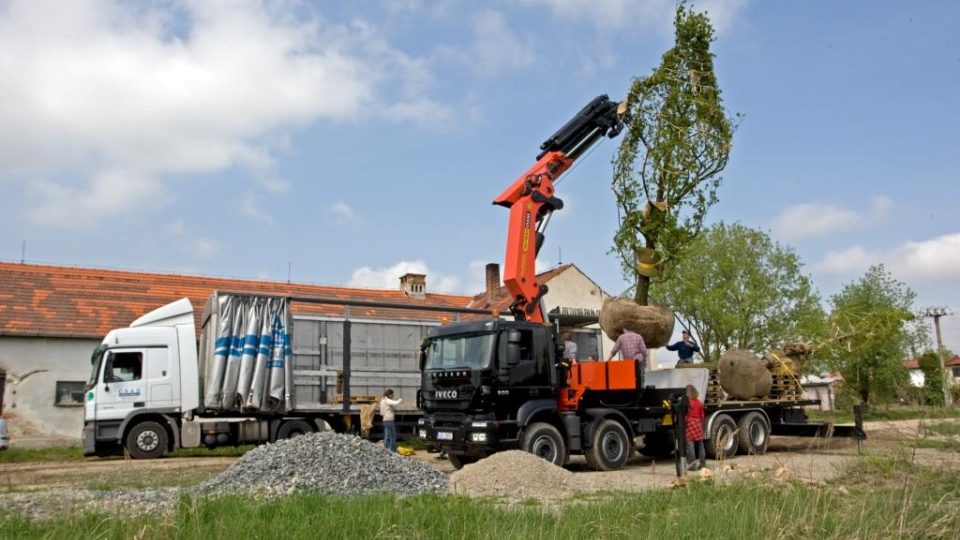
<point x="872" y="329"/>
<point x="677" y="141"/>
<point x="932" y="378"/>
<point x="737" y="288"/>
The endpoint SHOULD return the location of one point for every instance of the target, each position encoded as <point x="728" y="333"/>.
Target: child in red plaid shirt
<point x="694" y="430"/>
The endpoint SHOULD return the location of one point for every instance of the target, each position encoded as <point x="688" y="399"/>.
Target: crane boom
<point x="531" y="199"/>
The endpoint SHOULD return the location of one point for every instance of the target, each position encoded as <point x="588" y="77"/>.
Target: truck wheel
<point x="611" y="447"/>
<point x="723" y="438"/>
<point x="659" y="444"/>
<point x="292" y="428"/>
<point x="543" y="440"/>
<point x="147" y="440"/>
<point x="460" y="460"/>
<point x="754" y="434"/>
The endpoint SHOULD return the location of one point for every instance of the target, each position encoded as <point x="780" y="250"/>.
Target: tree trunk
<point x="642" y="294"/>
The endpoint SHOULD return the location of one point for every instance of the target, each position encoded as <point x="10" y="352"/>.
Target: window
<point x="956" y="372"/>
<point x="123" y="367"/>
<point x="69" y="394"/>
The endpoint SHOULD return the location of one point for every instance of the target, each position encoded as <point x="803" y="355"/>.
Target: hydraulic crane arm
<point x="532" y="201"/>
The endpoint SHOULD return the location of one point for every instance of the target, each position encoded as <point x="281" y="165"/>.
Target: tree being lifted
<point x="666" y="173"/>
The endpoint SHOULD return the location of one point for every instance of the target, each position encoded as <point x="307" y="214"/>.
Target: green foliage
<point x="932" y="378"/>
<point x="737" y="288"/>
<point x="872" y="330"/>
<point x="677" y="141"/>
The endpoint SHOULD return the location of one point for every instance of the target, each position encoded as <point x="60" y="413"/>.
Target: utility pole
<point x="935" y="313"/>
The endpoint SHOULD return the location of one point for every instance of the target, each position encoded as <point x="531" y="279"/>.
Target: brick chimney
<point x="493" y="282"/>
<point x="414" y="285"/>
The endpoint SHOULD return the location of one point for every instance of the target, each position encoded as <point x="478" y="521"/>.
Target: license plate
<point x="444" y="436"/>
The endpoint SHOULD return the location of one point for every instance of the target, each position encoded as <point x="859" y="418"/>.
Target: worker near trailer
<point x="569" y="349"/>
<point x="694" y="430"/>
<point x="685" y="348"/>
<point x="630" y="345"/>
<point x="388" y="411"/>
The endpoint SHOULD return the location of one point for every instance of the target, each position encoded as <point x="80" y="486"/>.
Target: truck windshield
<point x="95" y="365"/>
<point x="472" y="351"/>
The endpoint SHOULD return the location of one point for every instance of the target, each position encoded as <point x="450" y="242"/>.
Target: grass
<point x="75" y="453"/>
<point x="885" y="414"/>
<point x="880" y="497"/>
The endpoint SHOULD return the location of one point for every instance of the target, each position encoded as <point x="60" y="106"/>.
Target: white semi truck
<point x="152" y="389"/>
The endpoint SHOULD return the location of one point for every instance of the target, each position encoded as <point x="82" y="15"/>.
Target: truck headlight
<point x="423" y="434"/>
<point x="422" y="421"/>
<point x="478" y="437"/>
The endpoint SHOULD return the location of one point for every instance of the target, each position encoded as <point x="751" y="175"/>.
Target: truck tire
<point x="658" y="444"/>
<point x="147" y="440"/>
<point x="291" y="428"/>
<point x="611" y="447"/>
<point x="543" y="440"/>
<point x="754" y="434"/>
<point x="459" y="460"/>
<point x="723" y="438"/>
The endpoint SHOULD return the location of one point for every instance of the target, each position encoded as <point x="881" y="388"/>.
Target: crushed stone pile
<point x="513" y="474"/>
<point x="328" y="463"/>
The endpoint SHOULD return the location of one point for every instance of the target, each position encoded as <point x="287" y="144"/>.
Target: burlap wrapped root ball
<point x="743" y="375"/>
<point x="788" y="358"/>
<point x="654" y="323"/>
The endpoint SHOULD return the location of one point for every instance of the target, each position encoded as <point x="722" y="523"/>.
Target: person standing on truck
<point x="388" y="410"/>
<point x="694" y="431"/>
<point x="569" y="348"/>
<point x="685" y="348"/>
<point x="630" y="345"/>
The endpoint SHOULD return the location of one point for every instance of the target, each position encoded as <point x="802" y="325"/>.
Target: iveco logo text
<point x="446" y="394"/>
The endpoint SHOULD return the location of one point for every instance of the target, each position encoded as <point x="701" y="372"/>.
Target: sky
<point x="346" y="143"/>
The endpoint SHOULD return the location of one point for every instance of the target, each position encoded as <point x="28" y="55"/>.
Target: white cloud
<point x="251" y="206"/>
<point x="112" y="98"/>
<point x="497" y="47"/>
<point x="627" y="14"/>
<point x="929" y="261"/>
<point x="389" y="278"/>
<point x="812" y="220"/>
<point x="341" y="212"/>
<point x="205" y="249"/>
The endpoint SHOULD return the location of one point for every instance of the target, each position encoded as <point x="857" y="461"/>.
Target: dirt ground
<point x="811" y="460"/>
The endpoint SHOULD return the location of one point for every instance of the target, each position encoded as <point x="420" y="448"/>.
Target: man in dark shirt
<point x="685" y="348"/>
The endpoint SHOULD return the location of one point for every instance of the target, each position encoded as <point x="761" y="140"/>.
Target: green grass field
<point x="879" y="497"/>
<point x="886" y="414"/>
<point x="75" y="453"/>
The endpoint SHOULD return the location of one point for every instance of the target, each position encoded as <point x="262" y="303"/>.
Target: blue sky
<point x="355" y="141"/>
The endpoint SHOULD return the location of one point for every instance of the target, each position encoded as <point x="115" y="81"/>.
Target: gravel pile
<point x="121" y="501"/>
<point x="513" y="475"/>
<point x="328" y="463"/>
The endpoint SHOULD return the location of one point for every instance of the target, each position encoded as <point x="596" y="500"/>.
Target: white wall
<point x="33" y="367"/>
<point x="571" y="288"/>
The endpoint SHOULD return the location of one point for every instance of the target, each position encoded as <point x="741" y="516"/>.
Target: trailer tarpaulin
<point x="252" y="355"/>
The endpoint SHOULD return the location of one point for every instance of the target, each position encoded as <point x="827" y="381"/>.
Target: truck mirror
<point x="423" y="359"/>
<point x="513" y="353"/>
<point x="514" y="336"/>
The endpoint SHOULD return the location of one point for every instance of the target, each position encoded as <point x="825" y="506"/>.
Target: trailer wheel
<point x="543" y="440"/>
<point x="459" y="460"/>
<point x="611" y="447"/>
<point x="658" y="444"/>
<point x="754" y="434"/>
<point x="723" y="438"/>
<point x="292" y="428"/>
<point x="147" y="440"/>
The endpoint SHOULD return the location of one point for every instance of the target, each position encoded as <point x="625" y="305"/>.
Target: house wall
<point x="33" y="366"/>
<point x="572" y="288"/>
<point x="821" y="391"/>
